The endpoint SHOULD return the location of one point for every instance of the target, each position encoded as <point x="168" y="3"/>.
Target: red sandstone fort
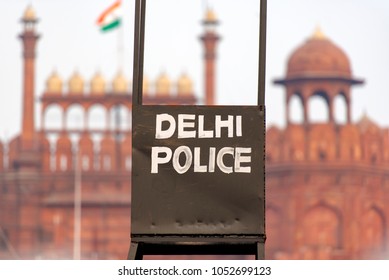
<point x="327" y="182"/>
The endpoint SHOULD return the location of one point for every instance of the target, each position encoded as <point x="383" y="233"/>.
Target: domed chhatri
<point x="76" y="84"/>
<point x="320" y="57"/>
<point x="54" y="83"/>
<point x="318" y="68"/>
<point x="367" y="124"/>
<point x="120" y="83"/>
<point x="163" y="84"/>
<point x="97" y="84"/>
<point x="184" y="85"/>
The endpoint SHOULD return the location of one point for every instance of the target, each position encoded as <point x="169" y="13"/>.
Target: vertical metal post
<point x="262" y="53"/>
<point x="139" y="32"/>
<point x="261" y="103"/>
<point x="137" y="87"/>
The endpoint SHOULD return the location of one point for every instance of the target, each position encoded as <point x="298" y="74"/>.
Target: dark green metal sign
<point x="198" y="170"/>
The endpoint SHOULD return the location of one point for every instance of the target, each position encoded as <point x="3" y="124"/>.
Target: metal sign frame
<point x="197" y="244"/>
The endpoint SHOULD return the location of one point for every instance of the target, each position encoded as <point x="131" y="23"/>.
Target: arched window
<point x="373" y="233"/>
<point x="296" y="110"/>
<point x="53" y="117"/>
<point x="97" y="117"/>
<point x="318" y="108"/>
<point x="322" y="228"/>
<point x="75" y="117"/>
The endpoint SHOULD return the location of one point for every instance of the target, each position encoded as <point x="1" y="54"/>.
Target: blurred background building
<point x="327" y="181"/>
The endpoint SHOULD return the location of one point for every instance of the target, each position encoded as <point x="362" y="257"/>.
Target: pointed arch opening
<point x="53" y="117"/>
<point x="296" y="109"/>
<point x="373" y="233"/>
<point x="97" y="117"/>
<point x="322" y="228"/>
<point x="318" y="105"/>
<point x="75" y="117"/>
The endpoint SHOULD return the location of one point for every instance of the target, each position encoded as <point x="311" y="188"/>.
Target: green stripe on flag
<point x="112" y="25"/>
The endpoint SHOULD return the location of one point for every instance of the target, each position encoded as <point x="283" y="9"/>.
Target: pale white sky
<point x="71" y="40"/>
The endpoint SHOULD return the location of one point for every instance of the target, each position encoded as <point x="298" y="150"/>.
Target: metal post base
<point x="175" y="245"/>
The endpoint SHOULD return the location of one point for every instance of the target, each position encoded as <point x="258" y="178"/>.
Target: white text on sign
<point x="167" y="125"/>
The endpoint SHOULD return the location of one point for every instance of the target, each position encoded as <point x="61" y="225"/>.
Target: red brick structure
<point x="327" y="182"/>
<point x="85" y="137"/>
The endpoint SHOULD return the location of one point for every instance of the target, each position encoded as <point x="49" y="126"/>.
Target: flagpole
<point x="108" y="20"/>
<point x="120" y="47"/>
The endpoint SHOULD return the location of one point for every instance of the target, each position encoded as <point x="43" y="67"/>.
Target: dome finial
<point x="210" y="17"/>
<point x="29" y="14"/>
<point x="318" y="33"/>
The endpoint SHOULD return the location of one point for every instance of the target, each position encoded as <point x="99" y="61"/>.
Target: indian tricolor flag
<point x="110" y="18"/>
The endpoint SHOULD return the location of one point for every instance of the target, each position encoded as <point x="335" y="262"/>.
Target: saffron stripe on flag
<point x="109" y="10"/>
